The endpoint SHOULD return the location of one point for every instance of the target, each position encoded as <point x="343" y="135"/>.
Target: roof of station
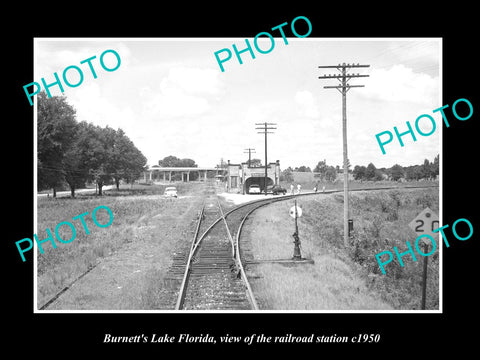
<point x="182" y="168"/>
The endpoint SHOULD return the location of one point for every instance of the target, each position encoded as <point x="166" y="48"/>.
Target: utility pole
<point x="265" y="127"/>
<point x="343" y="87"/>
<point x="250" y="151"/>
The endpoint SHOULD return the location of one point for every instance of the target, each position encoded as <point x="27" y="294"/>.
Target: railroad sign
<point x="292" y="211"/>
<point x="425" y="223"/>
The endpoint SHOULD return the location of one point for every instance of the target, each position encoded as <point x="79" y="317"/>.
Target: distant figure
<point x="291" y="188"/>
<point x="298" y="188"/>
<point x="323" y="188"/>
<point x="315" y="188"/>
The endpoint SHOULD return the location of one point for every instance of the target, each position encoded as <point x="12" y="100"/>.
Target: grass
<point x="343" y="278"/>
<point x="297" y="288"/>
<point x="383" y="220"/>
<point x="143" y="224"/>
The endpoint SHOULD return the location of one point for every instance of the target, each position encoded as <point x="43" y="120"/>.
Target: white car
<point x="254" y="189"/>
<point x="170" y="191"/>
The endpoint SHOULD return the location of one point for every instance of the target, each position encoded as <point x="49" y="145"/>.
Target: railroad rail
<point x="233" y="221"/>
<point x="213" y="276"/>
<point x="202" y="265"/>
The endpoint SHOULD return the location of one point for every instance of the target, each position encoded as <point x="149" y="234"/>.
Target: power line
<point x="265" y="127"/>
<point x="82" y="172"/>
<point x="250" y="151"/>
<point x="343" y="88"/>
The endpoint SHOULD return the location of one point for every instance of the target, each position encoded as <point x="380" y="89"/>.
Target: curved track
<point x="212" y="278"/>
<point x="212" y="274"/>
<point x="214" y="266"/>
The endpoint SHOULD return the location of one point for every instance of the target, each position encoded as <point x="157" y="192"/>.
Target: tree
<point x="303" y="168"/>
<point x="430" y="170"/>
<point x="425" y="170"/>
<point x="173" y="161"/>
<point x="286" y="175"/>
<point x="413" y="172"/>
<point x="359" y="172"/>
<point x="397" y="172"/>
<point x="56" y="128"/>
<point x="370" y="171"/>
<point x="100" y="155"/>
<point x="321" y="168"/>
<point x="255" y="162"/>
<point x="128" y="160"/>
<point x="95" y="146"/>
<point x="108" y="163"/>
<point x="187" y="163"/>
<point x="169" y="161"/>
<point x="76" y="152"/>
<point x="378" y="175"/>
<point x="75" y="172"/>
<point x="436" y="166"/>
<point x="330" y="174"/>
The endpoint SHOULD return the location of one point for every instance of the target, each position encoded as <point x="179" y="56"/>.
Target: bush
<point x="381" y="224"/>
<point x="426" y="200"/>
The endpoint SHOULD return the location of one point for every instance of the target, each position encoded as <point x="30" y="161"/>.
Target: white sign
<point x="425" y="223"/>
<point x="292" y="211"/>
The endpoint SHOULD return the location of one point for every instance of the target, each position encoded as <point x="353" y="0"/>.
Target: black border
<point x="83" y="333"/>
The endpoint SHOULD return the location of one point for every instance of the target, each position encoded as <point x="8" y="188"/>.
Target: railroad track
<point x="213" y="277"/>
<point x="223" y="256"/>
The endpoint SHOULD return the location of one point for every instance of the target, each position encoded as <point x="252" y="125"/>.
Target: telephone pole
<point x="343" y="87"/>
<point x="250" y="151"/>
<point x="265" y="127"/>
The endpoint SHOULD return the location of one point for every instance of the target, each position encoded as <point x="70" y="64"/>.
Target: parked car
<point x="254" y="189"/>
<point x="276" y="189"/>
<point x="170" y="191"/>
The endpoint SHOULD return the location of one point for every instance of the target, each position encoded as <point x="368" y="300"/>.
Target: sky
<point x="171" y="98"/>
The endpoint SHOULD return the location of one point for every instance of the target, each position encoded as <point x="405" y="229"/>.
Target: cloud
<point x="92" y="105"/>
<point x="399" y="84"/>
<point x="261" y="112"/>
<point x="423" y="54"/>
<point x="306" y="105"/>
<point x="55" y="57"/>
<point x="171" y="103"/>
<point x="183" y="92"/>
<point x="193" y="80"/>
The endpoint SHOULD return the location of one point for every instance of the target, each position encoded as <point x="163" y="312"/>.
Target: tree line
<point x="173" y="161"/>
<point x="75" y="153"/>
<point x="428" y="171"/>
<point x="322" y="171"/>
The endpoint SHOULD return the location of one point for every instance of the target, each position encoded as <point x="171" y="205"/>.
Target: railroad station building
<point x="241" y="176"/>
<point x="164" y="174"/>
<point x="237" y="177"/>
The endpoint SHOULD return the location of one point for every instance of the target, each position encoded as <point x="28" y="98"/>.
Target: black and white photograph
<point x="252" y="187"/>
<point x="200" y="170"/>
